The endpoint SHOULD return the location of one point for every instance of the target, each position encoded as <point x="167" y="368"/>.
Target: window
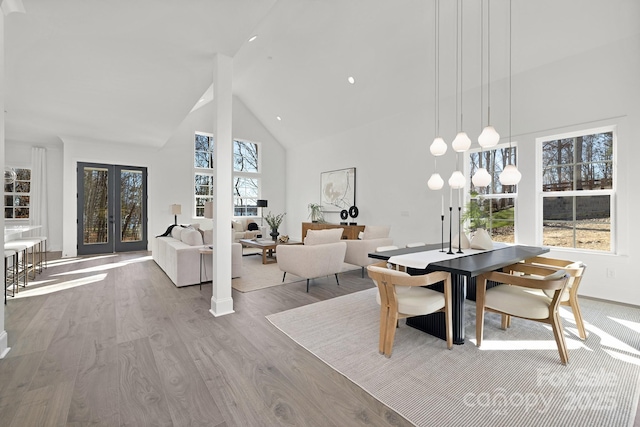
<point x="16" y="195"/>
<point x="492" y="207"/>
<point x="577" y="190"/>
<point x="246" y="175"/>
<point x="203" y="176"/>
<point x="246" y="178"/>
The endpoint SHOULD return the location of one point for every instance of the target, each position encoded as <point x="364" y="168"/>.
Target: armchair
<point x="358" y="251"/>
<point x="321" y="254"/>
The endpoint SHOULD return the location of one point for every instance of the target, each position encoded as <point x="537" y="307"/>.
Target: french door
<point x="112" y="208"/>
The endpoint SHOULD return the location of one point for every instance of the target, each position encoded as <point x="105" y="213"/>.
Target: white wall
<point x="393" y="164"/>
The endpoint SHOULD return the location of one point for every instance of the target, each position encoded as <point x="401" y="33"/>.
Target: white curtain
<point x="38" y="202"/>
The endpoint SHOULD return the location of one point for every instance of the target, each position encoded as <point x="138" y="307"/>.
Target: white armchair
<point x="321" y="255"/>
<point x="358" y="250"/>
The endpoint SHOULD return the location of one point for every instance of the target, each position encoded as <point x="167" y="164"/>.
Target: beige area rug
<point x="516" y="379"/>
<point x="256" y="275"/>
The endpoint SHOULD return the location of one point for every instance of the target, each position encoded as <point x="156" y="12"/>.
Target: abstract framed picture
<point x="338" y="189"/>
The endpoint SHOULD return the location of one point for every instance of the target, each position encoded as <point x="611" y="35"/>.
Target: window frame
<point x="14" y="193"/>
<point x="612" y="192"/>
<point x="492" y="196"/>
<point x="210" y="172"/>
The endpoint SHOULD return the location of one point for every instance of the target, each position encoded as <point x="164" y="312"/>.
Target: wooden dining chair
<point x="575" y="270"/>
<point x="516" y="296"/>
<point x="401" y="295"/>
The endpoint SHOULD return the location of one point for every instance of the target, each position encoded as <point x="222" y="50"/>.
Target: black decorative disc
<point x="344" y="214"/>
<point x="353" y="211"/>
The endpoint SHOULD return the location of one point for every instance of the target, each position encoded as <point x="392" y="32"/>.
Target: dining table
<point x="464" y="267"/>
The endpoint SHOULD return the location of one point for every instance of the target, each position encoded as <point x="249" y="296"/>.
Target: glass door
<point x="112" y="208"/>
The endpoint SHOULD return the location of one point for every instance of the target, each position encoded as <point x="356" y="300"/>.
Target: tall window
<point x="246" y="175"/>
<point x="577" y="190"/>
<point x="16" y="195"/>
<point x="203" y="176"/>
<point x="492" y="207"/>
<point x="246" y="178"/>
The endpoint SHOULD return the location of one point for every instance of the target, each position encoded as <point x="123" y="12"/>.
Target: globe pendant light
<point x="435" y="182"/>
<point x="481" y="178"/>
<point x="457" y="180"/>
<point x="438" y="147"/>
<point x="510" y="175"/>
<point x="461" y="143"/>
<point x="489" y="137"/>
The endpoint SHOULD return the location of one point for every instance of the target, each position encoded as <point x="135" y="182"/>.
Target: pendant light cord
<point x="510" y="54"/>
<point x="488" y="62"/>
<point x="437" y="65"/>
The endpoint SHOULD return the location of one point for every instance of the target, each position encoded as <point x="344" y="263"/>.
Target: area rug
<point x="516" y="378"/>
<point x="256" y="275"/>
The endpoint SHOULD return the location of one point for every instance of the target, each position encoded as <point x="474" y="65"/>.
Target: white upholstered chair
<point x="401" y="295"/>
<point x="517" y="295"/>
<point x="322" y="254"/>
<point x="575" y="270"/>
<point x="373" y="237"/>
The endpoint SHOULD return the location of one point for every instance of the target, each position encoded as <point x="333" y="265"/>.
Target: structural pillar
<point x="221" y="299"/>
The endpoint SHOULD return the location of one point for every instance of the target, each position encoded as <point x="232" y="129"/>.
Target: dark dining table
<point x="464" y="269"/>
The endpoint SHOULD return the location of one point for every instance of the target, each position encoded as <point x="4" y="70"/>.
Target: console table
<point x="350" y="232"/>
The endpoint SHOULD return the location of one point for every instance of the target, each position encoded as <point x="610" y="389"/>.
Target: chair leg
<point x="559" y="336"/>
<point x="384" y="322"/>
<point x="505" y="321"/>
<point x="481" y="289"/>
<point x="391" y="333"/>
<point x="577" y="314"/>
<point x="337" y="279"/>
<point x="307" y="285"/>
<point x="362" y="272"/>
<point x="284" y="275"/>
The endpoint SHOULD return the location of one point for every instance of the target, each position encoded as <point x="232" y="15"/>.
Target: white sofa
<point x="321" y="255"/>
<point x="373" y="237"/>
<point x="179" y="256"/>
<point x="241" y="229"/>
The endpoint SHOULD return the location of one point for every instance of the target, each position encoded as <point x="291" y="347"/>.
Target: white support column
<point x="221" y="300"/>
<point x="4" y="349"/>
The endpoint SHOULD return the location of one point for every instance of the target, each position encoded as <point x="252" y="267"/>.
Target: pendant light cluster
<point x="489" y="137"/>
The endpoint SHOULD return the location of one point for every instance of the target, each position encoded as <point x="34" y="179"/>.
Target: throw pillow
<point x="191" y="237"/>
<point x="318" y="237"/>
<point x="253" y="226"/>
<point x="375" y="232"/>
<point x="176" y="232"/>
<point x="237" y="226"/>
<point x="207" y="237"/>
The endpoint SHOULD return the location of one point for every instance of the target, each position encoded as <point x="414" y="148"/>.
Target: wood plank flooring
<point x="110" y="341"/>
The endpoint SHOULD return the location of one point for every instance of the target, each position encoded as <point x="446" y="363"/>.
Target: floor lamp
<point x="261" y="204"/>
<point x="175" y="211"/>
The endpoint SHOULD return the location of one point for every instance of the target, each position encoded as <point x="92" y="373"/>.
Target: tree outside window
<point x="577" y="191"/>
<point x="17" y="195"/>
<point x="492" y="207"/>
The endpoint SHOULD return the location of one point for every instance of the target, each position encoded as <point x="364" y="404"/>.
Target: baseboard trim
<point x="221" y="307"/>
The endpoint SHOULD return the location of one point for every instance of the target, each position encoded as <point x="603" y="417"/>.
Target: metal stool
<point x="35" y="246"/>
<point x="21" y="248"/>
<point x="10" y="253"/>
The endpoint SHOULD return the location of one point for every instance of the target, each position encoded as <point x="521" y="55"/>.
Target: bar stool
<point x="13" y="255"/>
<point x="34" y="248"/>
<point x="21" y="248"/>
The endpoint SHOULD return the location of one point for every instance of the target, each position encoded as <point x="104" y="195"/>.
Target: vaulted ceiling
<point x="131" y="71"/>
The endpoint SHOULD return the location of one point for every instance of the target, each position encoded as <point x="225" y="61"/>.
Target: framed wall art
<point x="338" y="189"/>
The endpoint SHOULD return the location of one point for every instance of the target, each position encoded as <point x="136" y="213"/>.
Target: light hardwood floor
<point x="109" y="340"/>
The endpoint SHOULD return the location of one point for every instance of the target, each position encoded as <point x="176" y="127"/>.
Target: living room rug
<point x="516" y="378"/>
<point x="256" y="275"/>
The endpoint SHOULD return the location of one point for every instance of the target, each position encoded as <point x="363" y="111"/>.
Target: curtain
<point x="38" y="201"/>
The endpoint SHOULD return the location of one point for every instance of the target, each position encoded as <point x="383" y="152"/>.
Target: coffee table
<point x="268" y="247"/>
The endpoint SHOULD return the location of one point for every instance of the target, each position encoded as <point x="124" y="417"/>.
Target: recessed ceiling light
<point x="351" y="80"/>
<point x="278" y="117"/>
<point x="252" y="38"/>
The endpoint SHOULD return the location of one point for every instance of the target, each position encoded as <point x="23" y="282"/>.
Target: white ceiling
<point x="130" y="71"/>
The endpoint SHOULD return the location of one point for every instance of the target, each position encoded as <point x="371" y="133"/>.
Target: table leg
<point x="434" y="324"/>
<point x="264" y="256"/>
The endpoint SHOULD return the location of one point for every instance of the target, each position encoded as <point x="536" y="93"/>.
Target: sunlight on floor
<point x="66" y="261"/>
<point x="104" y="266"/>
<point x="634" y="326"/>
<point x="60" y="286"/>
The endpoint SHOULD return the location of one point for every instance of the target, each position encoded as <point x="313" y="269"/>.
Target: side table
<point x="204" y="252"/>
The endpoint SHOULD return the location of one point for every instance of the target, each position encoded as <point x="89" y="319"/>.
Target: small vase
<point x="274" y="234"/>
